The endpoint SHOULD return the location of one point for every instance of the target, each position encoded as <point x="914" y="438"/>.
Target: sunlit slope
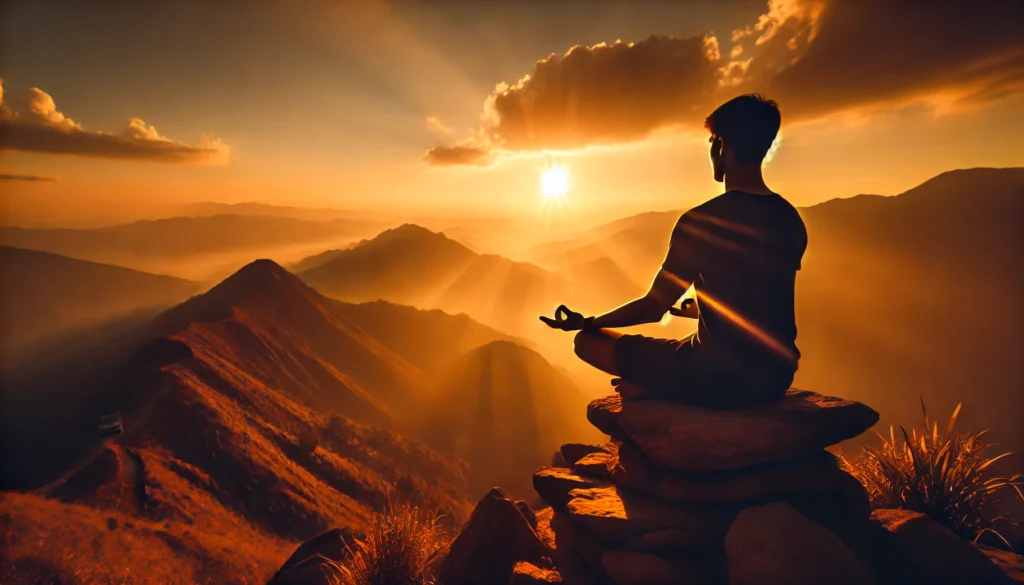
<point x="412" y="265"/>
<point x="43" y="294"/>
<point x="505" y="410"/>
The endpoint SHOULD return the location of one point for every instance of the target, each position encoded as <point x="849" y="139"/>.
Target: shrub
<point x="943" y="473"/>
<point x="396" y="551"/>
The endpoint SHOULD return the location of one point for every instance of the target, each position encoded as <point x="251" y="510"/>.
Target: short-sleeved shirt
<point x="742" y="252"/>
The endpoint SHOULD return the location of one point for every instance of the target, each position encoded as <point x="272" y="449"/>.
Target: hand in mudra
<point x="565" y="319"/>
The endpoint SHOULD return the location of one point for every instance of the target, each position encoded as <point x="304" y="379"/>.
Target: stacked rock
<point x="685" y="494"/>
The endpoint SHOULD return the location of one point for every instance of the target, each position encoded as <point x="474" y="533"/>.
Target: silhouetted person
<point x="740" y="251"/>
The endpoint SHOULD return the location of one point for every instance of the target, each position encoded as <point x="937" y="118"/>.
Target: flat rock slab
<point x="813" y="473"/>
<point x="776" y="545"/>
<point x="919" y="550"/>
<point x="632" y="568"/>
<point x="553" y="485"/>
<point x="529" y="574"/>
<point x="624" y="517"/>
<point x="598" y="465"/>
<point x="690" y="438"/>
<point x="573" y="452"/>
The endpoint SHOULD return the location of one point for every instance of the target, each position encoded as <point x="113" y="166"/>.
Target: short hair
<point x="748" y="124"/>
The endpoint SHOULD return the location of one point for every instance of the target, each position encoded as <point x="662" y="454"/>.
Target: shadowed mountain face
<point x="42" y="294"/>
<point x="412" y="265"/>
<point x="505" y="410"/>
<point x="899" y="297"/>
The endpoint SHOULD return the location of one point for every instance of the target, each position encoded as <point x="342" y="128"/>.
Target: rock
<point x="495" y="538"/>
<point x="309" y="571"/>
<point x="530" y="574"/>
<point x="331" y="544"/>
<point x="815" y="472"/>
<point x="557" y="460"/>
<point x="775" y="544"/>
<point x="1011" y="564"/>
<point x="623" y="517"/>
<point x="845" y="511"/>
<point x="690" y="438"/>
<point x="598" y="465"/>
<point x="527" y="513"/>
<point x="919" y="550"/>
<point x="572" y="540"/>
<point x="553" y="485"/>
<point x="573" y="452"/>
<point x="631" y="568"/>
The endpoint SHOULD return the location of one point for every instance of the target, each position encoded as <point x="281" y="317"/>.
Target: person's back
<point x="740" y="251"/>
<point x="747" y="248"/>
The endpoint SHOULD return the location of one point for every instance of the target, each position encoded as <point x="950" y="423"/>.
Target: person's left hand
<point x="571" y="321"/>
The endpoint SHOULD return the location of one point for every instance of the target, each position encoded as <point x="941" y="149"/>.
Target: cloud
<point x="9" y="177"/>
<point x="824" y="56"/>
<point x="40" y="127"/>
<point x="459" y="155"/>
<point x="815" y="57"/>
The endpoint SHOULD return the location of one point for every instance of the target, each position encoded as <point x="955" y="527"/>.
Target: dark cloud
<point x="814" y="57"/>
<point x="861" y="52"/>
<point x="458" y="155"/>
<point x="8" y="177"/>
<point x="40" y="127"/>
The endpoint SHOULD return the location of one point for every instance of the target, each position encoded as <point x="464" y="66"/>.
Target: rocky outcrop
<point x="304" y="565"/>
<point x="681" y="490"/>
<point x="919" y="550"/>
<point x="487" y="549"/>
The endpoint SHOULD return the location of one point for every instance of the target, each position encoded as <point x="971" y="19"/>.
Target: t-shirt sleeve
<point x="799" y="242"/>
<point x="683" y="253"/>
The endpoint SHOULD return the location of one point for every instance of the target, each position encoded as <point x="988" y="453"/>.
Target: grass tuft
<point x="942" y="472"/>
<point x="396" y="551"/>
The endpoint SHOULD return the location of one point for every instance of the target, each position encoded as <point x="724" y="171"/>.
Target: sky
<point x="115" y="110"/>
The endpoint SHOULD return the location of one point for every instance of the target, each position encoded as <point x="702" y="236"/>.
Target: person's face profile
<point x="717" y="158"/>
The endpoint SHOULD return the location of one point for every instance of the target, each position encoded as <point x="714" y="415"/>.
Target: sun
<point x="554" y="182"/>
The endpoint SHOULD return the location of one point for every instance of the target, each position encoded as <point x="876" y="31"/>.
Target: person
<point x="740" y="251"/>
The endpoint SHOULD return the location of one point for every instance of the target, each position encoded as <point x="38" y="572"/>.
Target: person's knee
<point x="579" y="343"/>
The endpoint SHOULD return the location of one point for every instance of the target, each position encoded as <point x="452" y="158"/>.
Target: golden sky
<point x="114" y="110"/>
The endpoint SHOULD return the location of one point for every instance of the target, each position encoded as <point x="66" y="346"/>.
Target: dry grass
<point x="397" y="549"/>
<point x="941" y="472"/>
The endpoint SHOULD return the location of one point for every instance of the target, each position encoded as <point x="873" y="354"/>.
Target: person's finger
<point x="562" y="309"/>
<point x="551" y="322"/>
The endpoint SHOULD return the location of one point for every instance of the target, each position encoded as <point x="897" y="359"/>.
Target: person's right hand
<point x="688" y="309"/>
<point x="571" y="321"/>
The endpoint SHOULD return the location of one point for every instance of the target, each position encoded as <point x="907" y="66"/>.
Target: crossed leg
<point x="597" y="348"/>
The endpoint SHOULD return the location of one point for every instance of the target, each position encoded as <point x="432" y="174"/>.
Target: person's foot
<point x="628" y="390"/>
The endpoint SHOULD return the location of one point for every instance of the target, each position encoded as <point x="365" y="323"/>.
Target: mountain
<point x="44" y="294"/>
<point x="256" y="414"/>
<point x="414" y="266"/>
<point x="916" y="294"/>
<point x="505" y="410"/>
<point x="150" y="244"/>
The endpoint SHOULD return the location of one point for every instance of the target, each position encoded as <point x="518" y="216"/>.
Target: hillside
<point x="414" y="266"/>
<point x="505" y="410"/>
<point x="42" y="294"/>
<point x="899" y="296"/>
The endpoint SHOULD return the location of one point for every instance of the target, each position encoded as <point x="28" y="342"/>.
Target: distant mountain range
<point x="262" y="410"/>
<point x="412" y="265"/>
<point x="899" y="296"/>
<point x="42" y="294"/>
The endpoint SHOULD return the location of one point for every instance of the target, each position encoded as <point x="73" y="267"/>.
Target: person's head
<point x="742" y="131"/>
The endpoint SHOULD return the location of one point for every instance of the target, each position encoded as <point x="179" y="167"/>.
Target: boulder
<point x="623" y="517"/>
<point x="529" y="574"/>
<point x="918" y="550"/>
<point x="527" y="513"/>
<point x="1011" y="564"/>
<point x="495" y="538"/>
<point x="573" y="452"/>
<point x="572" y="540"/>
<point x="597" y="465"/>
<point x="553" y="485"/>
<point x="845" y="511"/>
<point x="557" y="460"/>
<point x="690" y="438"/>
<point x="309" y="571"/>
<point x="632" y="568"/>
<point x="813" y="473"/>
<point x="774" y="544"/>
<point x="331" y="545"/>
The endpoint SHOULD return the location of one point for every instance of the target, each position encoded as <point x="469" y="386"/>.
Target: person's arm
<point x="650" y="308"/>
